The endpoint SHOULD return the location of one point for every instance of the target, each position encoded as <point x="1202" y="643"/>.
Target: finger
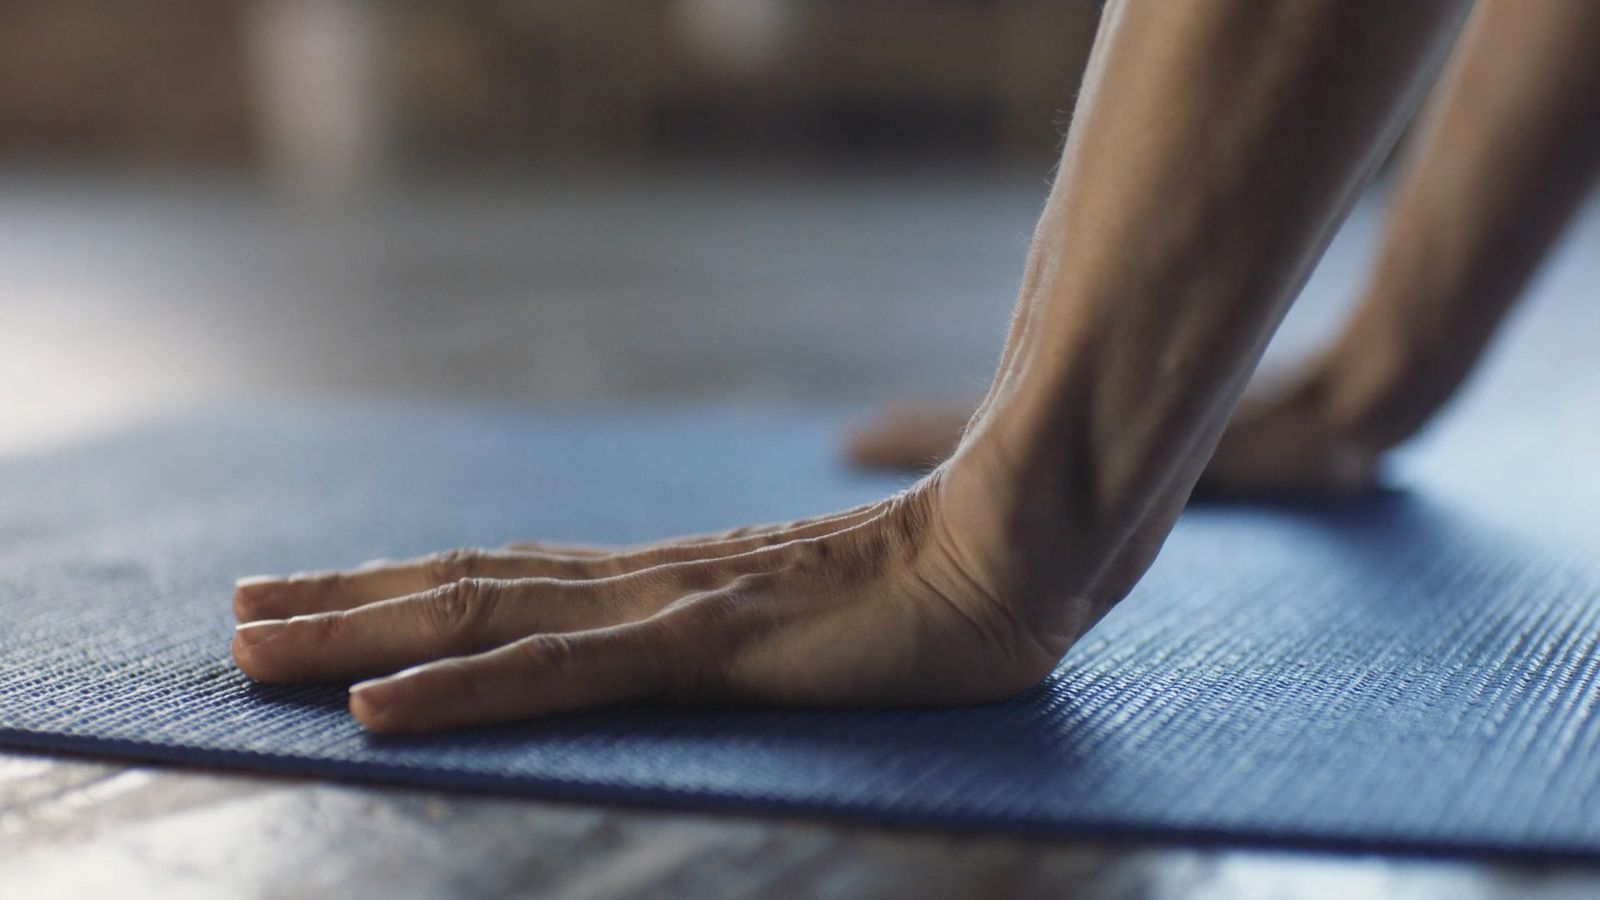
<point x="465" y="616"/>
<point x="307" y="593"/>
<point x="913" y="439"/>
<point x="791" y="530"/>
<point x="706" y="549"/>
<point x="266" y="597"/>
<point x="454" y="565"/>
<point x="728" y="548"/>
<point x="1287" y="456"/>
<point x="534" y="676"/>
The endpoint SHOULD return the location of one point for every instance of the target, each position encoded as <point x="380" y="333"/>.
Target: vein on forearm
<point x="1215" y="147"/>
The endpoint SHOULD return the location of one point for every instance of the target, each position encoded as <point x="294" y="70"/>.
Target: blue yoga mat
<point x="1418" y="670"/>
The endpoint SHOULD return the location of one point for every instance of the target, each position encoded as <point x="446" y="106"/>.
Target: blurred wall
<point x="351" y="83"/>
<point x="146" y="81"/>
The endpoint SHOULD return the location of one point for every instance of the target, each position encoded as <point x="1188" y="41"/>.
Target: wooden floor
<point x="117" y="301"/>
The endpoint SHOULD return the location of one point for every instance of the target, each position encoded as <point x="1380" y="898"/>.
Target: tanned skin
<point x="1216" y="147"/>
<point x="1505" y="153"/>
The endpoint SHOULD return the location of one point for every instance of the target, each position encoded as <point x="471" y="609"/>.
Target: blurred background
<point x="340" y="89"/>
<point x="552" y="201"/>
<point x="556" y="201"/>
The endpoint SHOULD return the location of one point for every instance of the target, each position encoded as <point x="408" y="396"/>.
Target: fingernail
<point x="250" y="581"/>
<point x="252" y="633"/>
<point x="371" y="694"/>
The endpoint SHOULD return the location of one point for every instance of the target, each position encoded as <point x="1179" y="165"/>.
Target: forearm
<point x="1504" y="158"/>
<point x="1215" y="147"/>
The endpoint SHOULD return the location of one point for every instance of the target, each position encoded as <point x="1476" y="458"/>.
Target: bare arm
<point x="1504" y="160"/>
<point x="1505" y="153"/>
<point x="1217" y="144"/>
<point x="1217" y="147"/>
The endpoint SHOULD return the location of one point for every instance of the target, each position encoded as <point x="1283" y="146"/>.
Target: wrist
<point x="1024" y="480"/>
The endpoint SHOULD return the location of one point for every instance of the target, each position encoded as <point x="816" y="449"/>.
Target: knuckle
<point x="454" y="565"/>
<point x="459" y="608"/>
<point x="740" y="592"/>
<point x="336" y="584"/>
<point x="323" y="628"/>
<point x="550" y="653"/>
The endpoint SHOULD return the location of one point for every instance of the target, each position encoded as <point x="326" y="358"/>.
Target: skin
<point x="1216" y="147"/>
<point x="1505" y="152"/>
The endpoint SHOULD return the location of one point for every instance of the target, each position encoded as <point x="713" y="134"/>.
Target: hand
<point x="906" y="436"/>
<point x="1282" y="443"/>
<point x="868" y="607"/>
<point x="1276" y="444"/>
